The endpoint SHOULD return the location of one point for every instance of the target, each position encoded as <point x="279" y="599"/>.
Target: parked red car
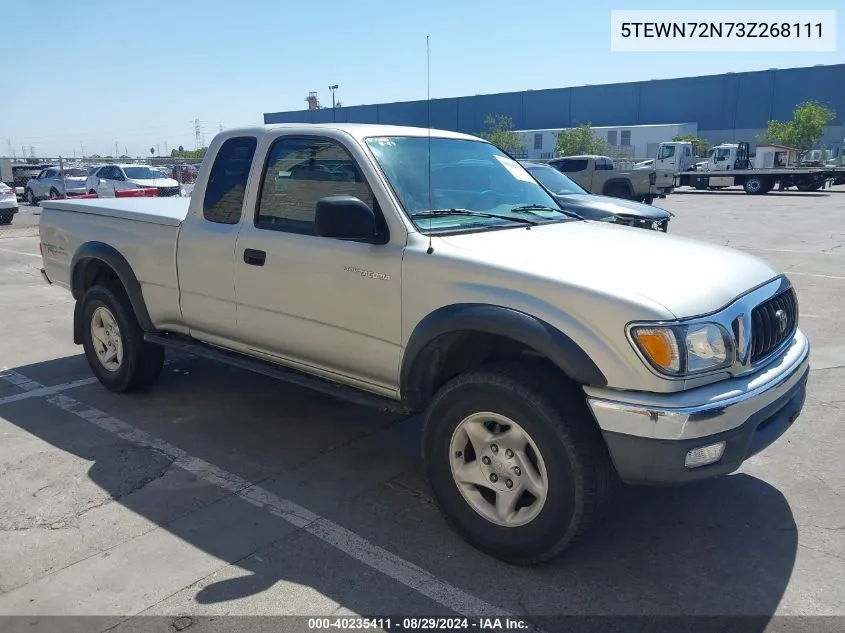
<point x="184" y="173"/>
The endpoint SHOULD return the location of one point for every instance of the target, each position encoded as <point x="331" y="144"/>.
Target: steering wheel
<point x="481" y="195"/>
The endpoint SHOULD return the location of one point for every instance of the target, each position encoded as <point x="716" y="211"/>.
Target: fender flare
<point x="112" y="258"/>
<point x="422" y="351"/>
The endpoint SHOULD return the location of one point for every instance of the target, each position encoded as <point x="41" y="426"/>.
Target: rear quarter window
<point x="224" y="193"/>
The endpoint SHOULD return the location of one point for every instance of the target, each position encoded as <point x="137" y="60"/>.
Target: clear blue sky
<point x="138" y="73"/>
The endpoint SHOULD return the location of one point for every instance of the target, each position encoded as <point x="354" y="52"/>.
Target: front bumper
<point x="648" y="438"/>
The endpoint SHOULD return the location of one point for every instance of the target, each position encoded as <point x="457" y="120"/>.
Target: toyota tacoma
<point x="427" y="272"/>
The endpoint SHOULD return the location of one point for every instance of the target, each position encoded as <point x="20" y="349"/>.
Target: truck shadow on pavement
<point x="724" y="547"/>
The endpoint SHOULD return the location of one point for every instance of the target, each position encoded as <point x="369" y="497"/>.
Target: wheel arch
<point x="94" y="262"/>
<point x="612" y="183"/>
<point x="462" y="336"/>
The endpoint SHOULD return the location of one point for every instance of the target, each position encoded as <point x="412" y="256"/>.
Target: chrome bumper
<point x="703" y="411"/>
<point x="649" y="436"/>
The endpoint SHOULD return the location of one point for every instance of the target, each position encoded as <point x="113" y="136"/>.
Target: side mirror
<point x="345" y="218"/>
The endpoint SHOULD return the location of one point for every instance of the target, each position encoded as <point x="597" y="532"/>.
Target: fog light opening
<point x="704" y="455"/>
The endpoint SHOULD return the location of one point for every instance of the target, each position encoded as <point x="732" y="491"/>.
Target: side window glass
<point x="224" y="193"/>
<point x="299" y="172"/>
<point x="572" y="164"/>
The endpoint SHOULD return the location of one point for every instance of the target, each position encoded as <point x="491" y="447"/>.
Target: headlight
<point x="684" y="350"/>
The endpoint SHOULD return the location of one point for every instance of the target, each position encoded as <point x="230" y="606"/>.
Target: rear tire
<point x="119" y="357"/>
<point x="570" y="458"/>
<point x="756" y="185"/>
<point x="30" y="198"/>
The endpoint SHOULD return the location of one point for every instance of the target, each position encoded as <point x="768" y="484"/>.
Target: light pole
<point x="333" y="88"/>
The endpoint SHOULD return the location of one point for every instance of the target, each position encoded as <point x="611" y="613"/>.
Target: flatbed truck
<point x="729" y="165"/>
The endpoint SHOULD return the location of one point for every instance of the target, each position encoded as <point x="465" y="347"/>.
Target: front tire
<point x="114" y="342"/>
<point x="519" y="472"/>
<point x="30" y="198"/>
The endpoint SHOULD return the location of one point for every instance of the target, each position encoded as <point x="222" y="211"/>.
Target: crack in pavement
<point x="821" y="551"/>
<point x="839" y="244"/>
<point x="71" y="520"/>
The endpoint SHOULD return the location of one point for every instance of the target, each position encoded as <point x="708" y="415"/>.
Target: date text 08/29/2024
<point x="417" y="624"/>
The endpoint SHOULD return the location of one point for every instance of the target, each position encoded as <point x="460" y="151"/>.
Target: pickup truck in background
<point x="550" y="356"/>
<point x="599" y="175"/>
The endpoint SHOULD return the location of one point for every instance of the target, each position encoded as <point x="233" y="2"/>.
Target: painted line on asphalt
<point x="8" y="250"/>
<point x="348" y="542"/>
<point x="792" y="272"/>
<point x="44" y="391"/>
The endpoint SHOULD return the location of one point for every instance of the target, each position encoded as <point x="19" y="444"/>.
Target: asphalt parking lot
<point x="221" y="492"/>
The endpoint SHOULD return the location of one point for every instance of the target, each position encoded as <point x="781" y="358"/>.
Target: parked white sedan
<point x="109" y="179"/>
<point x="49" y="184"/>
<point x="8" y="203"/>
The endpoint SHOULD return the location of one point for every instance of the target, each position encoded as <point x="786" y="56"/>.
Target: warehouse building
<point x="624" y="141"/>
<point x="724" y="108"/>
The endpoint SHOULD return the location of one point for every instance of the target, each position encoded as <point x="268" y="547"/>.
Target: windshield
<point x="142" y="173"/>
<point x="666" y="151"/>
<point x="555" y="181"/>
<point x="465" y="174"/>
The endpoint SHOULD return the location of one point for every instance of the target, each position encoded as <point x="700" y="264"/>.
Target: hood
<point x="688" y="277"/>
<point x="155" y="182"/>
<point x="593" y="207"/>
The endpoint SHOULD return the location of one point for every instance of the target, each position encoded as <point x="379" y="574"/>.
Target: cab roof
<point x="358" y="131"/>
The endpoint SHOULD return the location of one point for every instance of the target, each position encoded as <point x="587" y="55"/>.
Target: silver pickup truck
<point x="425" y="271"/>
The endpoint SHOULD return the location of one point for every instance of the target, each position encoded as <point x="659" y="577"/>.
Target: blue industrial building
<point x="726" y="108"/>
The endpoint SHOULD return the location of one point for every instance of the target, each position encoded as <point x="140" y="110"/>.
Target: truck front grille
<point x="772" y="322"/>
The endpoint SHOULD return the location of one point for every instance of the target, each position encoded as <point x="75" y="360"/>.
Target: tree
<point x="580" y="140"/>
<point x="190" y="153"/>
<point x="339" y="104"/>
<point x="804" y="130"/>
<point x="699" y="145"/>
<point x="500" y="133"/>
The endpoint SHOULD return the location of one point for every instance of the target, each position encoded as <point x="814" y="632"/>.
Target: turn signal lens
<point x="660" y="347"/>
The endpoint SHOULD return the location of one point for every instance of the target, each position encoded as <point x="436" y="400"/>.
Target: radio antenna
<point x="428" y="114"/>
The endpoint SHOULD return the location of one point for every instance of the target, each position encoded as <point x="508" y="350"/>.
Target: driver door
<point x="39" y="187"/>
<point x="109" y="180"/>
<point x="324" y="303"/>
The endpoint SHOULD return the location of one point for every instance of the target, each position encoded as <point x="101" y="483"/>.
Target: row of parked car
<point x="106" y="180"/>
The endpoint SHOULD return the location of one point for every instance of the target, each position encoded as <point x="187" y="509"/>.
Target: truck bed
<point x="144" y="231"/>
<point x="164" y="211"/>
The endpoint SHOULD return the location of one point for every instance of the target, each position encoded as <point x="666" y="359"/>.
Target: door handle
<point x="254" y="257"/>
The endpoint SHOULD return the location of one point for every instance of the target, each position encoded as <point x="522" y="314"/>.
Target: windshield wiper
<point x="528" y="208"/>
<point x="479" y="214"/>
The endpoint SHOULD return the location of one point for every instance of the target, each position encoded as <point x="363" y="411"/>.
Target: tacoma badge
<point x="367" y="273"/>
